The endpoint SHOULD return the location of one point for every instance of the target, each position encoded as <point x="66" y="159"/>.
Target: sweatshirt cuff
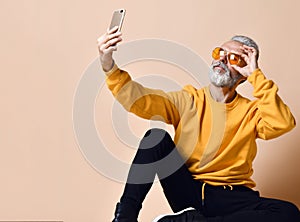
<point x="113" y="69"/>
<point x="254" y="75"/>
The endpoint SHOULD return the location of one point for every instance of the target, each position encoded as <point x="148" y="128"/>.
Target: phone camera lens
<point x="121" y="10"/>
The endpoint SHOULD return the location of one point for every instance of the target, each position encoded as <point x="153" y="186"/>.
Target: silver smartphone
<point x="117" y="19"/>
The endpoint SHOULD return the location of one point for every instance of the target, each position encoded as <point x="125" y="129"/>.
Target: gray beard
<point x="223" y="80"/>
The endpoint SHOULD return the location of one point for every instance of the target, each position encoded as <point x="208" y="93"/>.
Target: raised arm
<point x="144" y="102"/>
<point x="273" y="116"/>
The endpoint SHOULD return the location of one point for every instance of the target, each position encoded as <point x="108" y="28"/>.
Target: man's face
<point x="221" y="73"/>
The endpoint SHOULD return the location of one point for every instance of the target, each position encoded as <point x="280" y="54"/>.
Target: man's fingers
<point x="249" y="49"/>
<point x="104" y="38"/>
<point x="255" y="52"/>
<point x="110" y="49"/>
<point x="106" y="41"/>
<point x="112" y="36"/>
<point x="249" y="54"/>
<point x="246" y="58"/>
<point x="110" y="43"/>
<point x="112" y="30"/>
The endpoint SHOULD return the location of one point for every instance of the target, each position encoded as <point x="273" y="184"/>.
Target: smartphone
<point x="117" y="19"/>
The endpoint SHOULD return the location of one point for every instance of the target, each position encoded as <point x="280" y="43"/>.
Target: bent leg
<point x="157" y="155"/>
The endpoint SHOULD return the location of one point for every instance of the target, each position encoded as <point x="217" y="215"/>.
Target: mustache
<point x="221" y="64"/>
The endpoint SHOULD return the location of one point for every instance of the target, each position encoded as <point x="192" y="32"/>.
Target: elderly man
<point x="206" y="171"/>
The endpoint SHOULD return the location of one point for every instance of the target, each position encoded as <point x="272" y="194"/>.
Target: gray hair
<point x="246" y="41"/>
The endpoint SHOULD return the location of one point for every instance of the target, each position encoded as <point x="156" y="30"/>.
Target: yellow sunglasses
<point x="233" y="58"/>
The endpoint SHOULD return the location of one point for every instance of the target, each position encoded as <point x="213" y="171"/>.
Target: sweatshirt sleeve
<point x="144" y="102"/>
<point x="273" y="117"/>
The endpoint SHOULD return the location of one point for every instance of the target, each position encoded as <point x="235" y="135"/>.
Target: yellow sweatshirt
<point x="216" y="139"/>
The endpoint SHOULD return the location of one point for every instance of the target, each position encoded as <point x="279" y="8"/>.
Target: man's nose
<point x="223" y="58"/>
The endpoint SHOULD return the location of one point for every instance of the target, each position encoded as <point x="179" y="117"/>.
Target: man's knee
<point x="154" y="132"/>
<point x="156" y="138"/>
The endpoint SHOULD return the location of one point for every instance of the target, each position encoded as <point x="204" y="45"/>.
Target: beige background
<point x="46" y="46"/>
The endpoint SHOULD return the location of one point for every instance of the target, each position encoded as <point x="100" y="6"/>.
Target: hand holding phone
<point x="108" y="41"/>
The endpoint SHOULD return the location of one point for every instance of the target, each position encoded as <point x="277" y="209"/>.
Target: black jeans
<point x="156" y="156"/>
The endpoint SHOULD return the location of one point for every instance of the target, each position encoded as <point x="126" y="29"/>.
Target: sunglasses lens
<point x="233" y="59"/>
<point x="217" y="53"/>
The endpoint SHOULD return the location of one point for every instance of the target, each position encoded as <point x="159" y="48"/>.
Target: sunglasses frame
<point x="241" y="62"/>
